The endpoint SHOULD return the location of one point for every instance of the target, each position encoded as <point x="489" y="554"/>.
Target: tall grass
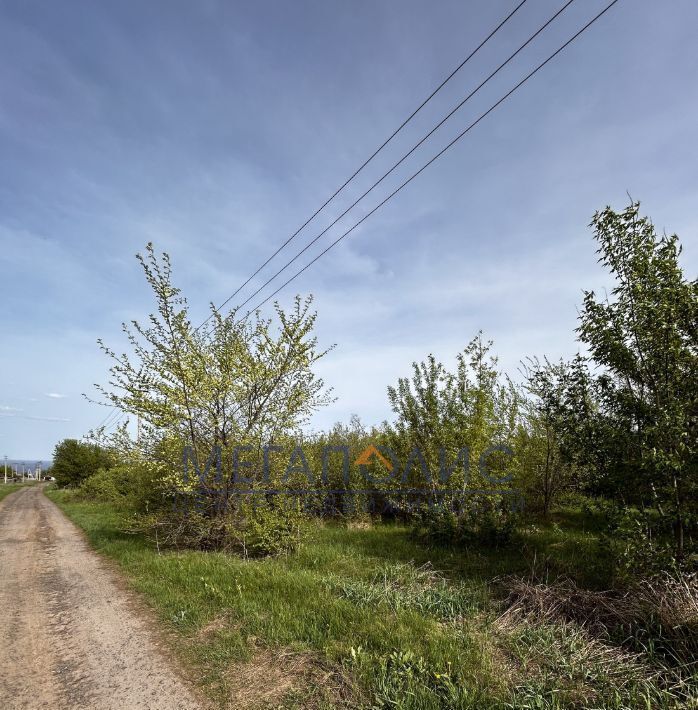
<point x="369" y="618"/>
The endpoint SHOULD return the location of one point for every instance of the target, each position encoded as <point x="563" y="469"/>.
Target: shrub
<point x="100" y="486"/>
<point x="490" y="524"/>
<point x="641" y="546"/>
<point x="75" y="461"/>
<point x="265" y="530"/>
<point x="133" y="484"/>
<point x="249" y="528"/>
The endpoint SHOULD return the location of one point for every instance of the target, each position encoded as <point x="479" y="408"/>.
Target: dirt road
<point x="71" y="636"/>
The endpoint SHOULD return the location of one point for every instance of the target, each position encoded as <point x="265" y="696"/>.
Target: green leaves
<point x="241" y="380"/>
<point x="438" y="409"/>
<point x="644" y="341"/>
<point x="75" y="461"/>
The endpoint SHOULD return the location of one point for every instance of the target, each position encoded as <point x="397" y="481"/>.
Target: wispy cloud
<point x="491" y="236"/>
<point x="28" y="416"/>
<point x="4" y="408"/>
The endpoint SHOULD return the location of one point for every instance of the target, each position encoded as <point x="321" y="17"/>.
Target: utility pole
<point x="5" y="470"/>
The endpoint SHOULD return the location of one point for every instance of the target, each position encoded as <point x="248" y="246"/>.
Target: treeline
<point x="618" y="423"/>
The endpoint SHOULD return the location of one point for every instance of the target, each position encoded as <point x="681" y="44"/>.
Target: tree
<point x="644" y="342"/>
<point x="441" y="411"/>
<point x="237" y="381"/>
<point x="544" y="443"/>
<point x="74" y="461"/>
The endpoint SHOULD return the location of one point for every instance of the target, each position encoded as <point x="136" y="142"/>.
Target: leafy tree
<point x="455" y="418"/>
<point x="441" y="411"/>
<point x="74" y="461"/>
<point x="238" y="381"/>
<point x="231" y="382"/>
<point x="644" y="341"/>
<point x="544" y="468"/>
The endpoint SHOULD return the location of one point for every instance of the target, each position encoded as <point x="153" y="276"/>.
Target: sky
<point x="215" y="129"/>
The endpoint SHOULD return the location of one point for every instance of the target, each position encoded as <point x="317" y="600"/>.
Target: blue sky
<point x="215" y="129"/>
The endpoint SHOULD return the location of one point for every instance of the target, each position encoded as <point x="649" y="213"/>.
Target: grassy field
<point x="6" y="489"/>
<point x="367" y="617"/>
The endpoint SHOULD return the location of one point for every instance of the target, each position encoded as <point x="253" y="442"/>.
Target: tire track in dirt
<point x="70" y="635"/>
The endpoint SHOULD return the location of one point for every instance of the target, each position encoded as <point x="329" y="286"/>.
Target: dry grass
<point x="278" y="678"/>
<point x="664" y="609"/>
<point x="219" y="623"/>
<point x="641" y="643"/>
<point x="366" y="524"/>
<point x="585" y="651"/>
<point x="561" y="665"/>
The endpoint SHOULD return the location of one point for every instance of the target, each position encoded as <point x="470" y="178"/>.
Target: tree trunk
<point x="679" y="524"/>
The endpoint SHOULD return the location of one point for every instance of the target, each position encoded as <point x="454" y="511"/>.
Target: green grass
<point x="7" y="488"/>
<point x="365" y="605"/>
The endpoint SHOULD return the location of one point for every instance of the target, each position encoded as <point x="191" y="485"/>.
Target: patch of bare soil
<point x="71" y="636"/>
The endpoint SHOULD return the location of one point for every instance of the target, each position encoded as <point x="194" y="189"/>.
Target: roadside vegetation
<point x="358" y="594"/>
<point x="7" y="488"/>
<point x="366" y="616"/>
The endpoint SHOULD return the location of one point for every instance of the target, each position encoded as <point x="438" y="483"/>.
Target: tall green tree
<point x="643" y="340"/>
<point x="441" y="411"/>
<point x="74" y="461"/>
<point x="238" y="380"/>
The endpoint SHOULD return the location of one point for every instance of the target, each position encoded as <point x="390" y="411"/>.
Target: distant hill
<point x="28" y="463"/>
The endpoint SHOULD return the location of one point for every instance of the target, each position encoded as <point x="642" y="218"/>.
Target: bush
<point x="641" y="545"/>
<point x="490" y="524"/>
<point x="75" y="461"/>
<point x="265" y="531"/>
<point x="100" y="486"/>
<point x="133" y="484"/>
<point x="249" y="528"/>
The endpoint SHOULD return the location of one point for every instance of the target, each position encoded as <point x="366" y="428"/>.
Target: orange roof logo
<point x="369" y="453"/>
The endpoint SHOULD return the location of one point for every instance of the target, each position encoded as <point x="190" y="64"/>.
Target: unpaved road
<point x="71" y="636"/>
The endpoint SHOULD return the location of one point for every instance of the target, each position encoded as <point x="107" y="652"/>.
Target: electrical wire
<point x="437" y="156"/>
<point x="370" y="158"/>
<point x="420" y="142"/>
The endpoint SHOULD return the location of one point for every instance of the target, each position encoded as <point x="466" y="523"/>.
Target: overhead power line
<point x="420" y="142"/>
<point x="110" y="420"/>
<point x="437" y="156"/>
<point x="104" y="421"/>
<point x="371" y="157"/>
<point x="115" y="421"/>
